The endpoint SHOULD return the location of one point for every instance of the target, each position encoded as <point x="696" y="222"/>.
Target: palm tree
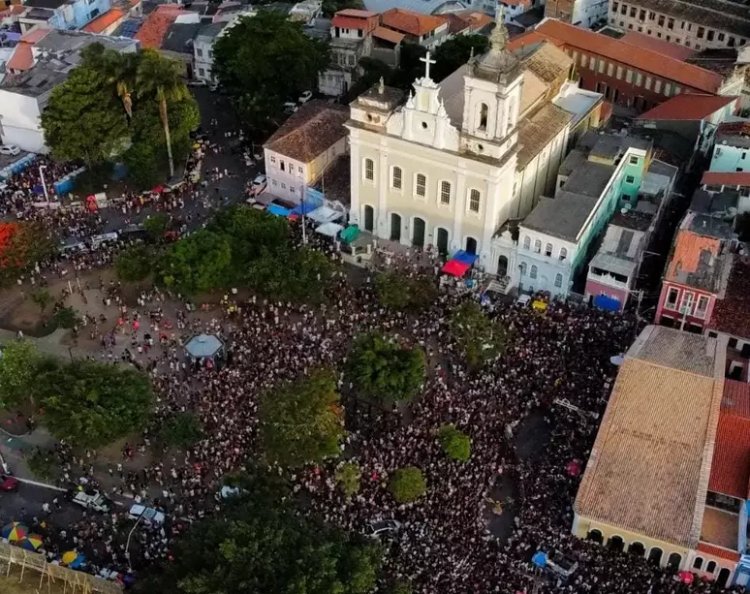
<point x="161" y="79"/>
<point x="120" y="71"/>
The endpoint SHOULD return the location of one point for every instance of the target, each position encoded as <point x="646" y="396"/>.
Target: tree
<point x="397" y="291"/>
<point x="90" y="404"/>
<point x="456" y="444"/>
<point x="181" y="429"/>
<point x="331" y="7"/>
<point x="455" y="52"/>
<point x="263" y="61"/>
<point x="481" y="339"/>
<point x="197" y="263"/>
<point x="251" y="233"/>
<point x="66" y="317"/>
<point x="19" y="366"/>
<point x="385" y="371"/>
<point x="118" y="70"/>
<point x="160" y="78"/>
<point x="291" y="274"/>
<point x="302" y="421"/>
<point x="134" y="263"/>
<point x="348" y="476"/>
<point x="82" y="119"/>
<point x="42" y="298"/>
<point x="22" y="244"/>
<point x="156" y="226"/>
<point x="407" y="484"/>
<point x="260" y="544"/>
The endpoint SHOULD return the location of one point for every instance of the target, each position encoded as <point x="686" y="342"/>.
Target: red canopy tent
<point x="455" y="267"/>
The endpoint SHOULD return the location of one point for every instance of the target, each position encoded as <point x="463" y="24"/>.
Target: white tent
<point x="325" y="214"/>
<point x="329" y="229"/>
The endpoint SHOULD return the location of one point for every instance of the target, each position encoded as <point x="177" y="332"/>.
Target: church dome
<point x="498" y="64"/>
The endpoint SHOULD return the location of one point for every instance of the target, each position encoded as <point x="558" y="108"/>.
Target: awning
<point x="304" y="208"/>
<point x="465" y="257"/>
<point x="278" y="210"/>
<point x="329" y="229"/>
<point x="350" y="233"/>
<point x="455" y="267"/>
<point x="324" y="214"/>
<point x="607" y="303"/>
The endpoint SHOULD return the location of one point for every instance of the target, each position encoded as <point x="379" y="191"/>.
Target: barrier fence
<point x="74" y="582"/>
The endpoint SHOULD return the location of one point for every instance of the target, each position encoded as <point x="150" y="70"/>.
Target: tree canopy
<point x="263" y="61"/>
<point x="455" y="443"/>
<point x="22" y="243"/>
<point x="454" y="53"/>
<point x="197" y="263"/>
<point x="383" y="370"/>
<point x="18" y="369"/>
<point x="407" y="484"/>
<point x="480" y="338"/>
<point x="302" y="421"/>
<point x="134" y="263"/>
<point x="399" y="291"/>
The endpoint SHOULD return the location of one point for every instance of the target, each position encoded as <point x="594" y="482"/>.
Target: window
<point x="523" y="268"/>
<point x="660" y="22"/>
<point x="474" y="198"/>
<point x="299" y="170"/>
<point x="629" y="76"/>
<point x="282" y="165"/>
<point x="701" y="31"/>
<point x="730" y="41"/>
<point x="445" y="192"/>
<point x="94" y="13"/>
<point x="667" y="89"/>
<point x="601" y="66"/>
<point x="273" y="159"/>
<point x="532" y="272"/>
<point x="615" y="6"/>
<point x="527" y="243"/>
<point x="199" y="52"/>
<point x="548" y="250"/>
<point x="558" y="280"/>
<point x="638" y="79"/>
<point x="396" y="183"/>
<point x="483" y="110"/>
<point x="283" y="186"/>
<point x="633" y="11"/>
<point x="584" y="60"/>
<point x="538" y="246"/>
<point x="629" y="179"/>
<point x="711" y="567"/>
<point x="420" y="185"/>
<point x="701" y="307"/>
<point x="697" y="562"/>
<point x="623" y="9"/>
<point x="563" y="254"/>
<point x="610" y="69"/>
<point x="672" y="298"/>
<point x="670" y="24"/>
<point x="710" y="35"/>
<point x="687" y="303"/>
<point x="369" y="170"/>
<point x="292" y="189"/>
<point x="274" y="182"/>
<point x="633" y="160"/>
<point x="619" y="73"/>
<point x="642" y="15"/>
<point x="721" y="37"/>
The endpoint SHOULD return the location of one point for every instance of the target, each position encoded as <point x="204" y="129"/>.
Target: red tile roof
<point x="635" y="56"/>
<point x="726" y="178"/>
<point x="411" y="23"/>
<point x="103" y="22"/>
<point x="152" y="32"/>
<point x="678" y="52"/>
<point x="388" y="35"/>
<point x="719" y="552"/>
<point x="356" y="13"/>
<point x="730" y="467"/>
<point x="686" y="255"/>
<point x="688" y="106"/>
<point x="733" y="129"/>
<point x="731" y="314"/>
<point x="35" y="35"/>
<point x="348" y="22"/>
<point x="531" y="38"/>
<point x="22" y="58"/>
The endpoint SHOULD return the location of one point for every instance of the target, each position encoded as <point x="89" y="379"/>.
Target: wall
<point x="86" y="10"/>
<point x="693" y="317"/>
<point x="538" y="177"/>
<point x="730" y="158"/>
<point x="596" y="287"/>
<point x="20" y="122"/>
<point x="203" y="60"/>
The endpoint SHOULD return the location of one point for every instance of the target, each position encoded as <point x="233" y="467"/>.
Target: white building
<point x="581" y="13"/>
<point x="732" y="148"/>
<point x="298" y="153"/>
<point x="203" y="51"/>
<point x="458" y="160"/>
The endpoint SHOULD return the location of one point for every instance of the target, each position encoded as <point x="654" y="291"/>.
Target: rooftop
<point x="411" y="23"/>
<point x="180" y="36"/>
<point x="535" y="131"/>
<point x="388" y="35"/>
<point x="423" y="6"/>
<point x="734" y="133"/>
<point x="688" y="106"/>
<point x="656" y="438"/>
<point x="673" y="50"/>
<point x="208" y="32"/>
<point x="155" y="27"/>
<point x="103" y="22"/>
<point x="716" y="14"/>
<point x="314" y="128"/>
<point x="726" y="178"/>
<point x="730" y="314"/>
<point x="632" y="219"/>
<point x="589" y="179"/>
<point x="719" y="528"/>
<point x="562" y="216"/>
<point x="730" y="468"/>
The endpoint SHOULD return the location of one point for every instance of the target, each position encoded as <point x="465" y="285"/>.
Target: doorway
<point x="395" y="227"/>
<point x="616" y="544"/>
<point x="502" y="266"/>
<point x="417" y="235"/>
<point x="654" y="556"/>
<point x="723" y="578"/>
<point x="471" y="245"/>
<point x="441" y="241"/>
<point x="369" y="218"/>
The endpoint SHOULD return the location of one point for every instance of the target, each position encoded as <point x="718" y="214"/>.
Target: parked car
<point x="290" y="107"/>
<point x="148" y="515"/>
<point x="305" y="97"/>
<point x="259" y="185"/>
<point x="383" y="529"/>
<point x="8" y="483"/>
<point x="9" y="149"/>
<point x="91" y="499"/>
<point x="562" y="566"/>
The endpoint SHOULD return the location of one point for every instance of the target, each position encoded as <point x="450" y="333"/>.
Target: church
<point x="452" y="164"/>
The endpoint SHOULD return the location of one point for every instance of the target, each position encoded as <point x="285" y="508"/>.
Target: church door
<point x="395" y="227"/>
<point x="417" y="235"/>
<point x="502" y="266"/>
<point x="471" y="245"/>
<point x="442" y="241"/>
<point x="369" y="218"/>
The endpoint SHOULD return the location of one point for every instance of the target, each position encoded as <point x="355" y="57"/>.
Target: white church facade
<point x="453" y="163"/>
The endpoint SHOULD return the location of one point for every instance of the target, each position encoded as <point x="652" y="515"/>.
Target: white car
<point x="148" y="515"/>
<point x="305" y="97"/>
<point x="290" y="107"/>
<point x="92" y="500"/>
<point x="259" y="185"/>
<point x="9" y="149"/>
<point x="383" y="528"/>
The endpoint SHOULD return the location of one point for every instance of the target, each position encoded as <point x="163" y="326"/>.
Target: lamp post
<point x="127" y="545"/>
<point x="44" y="184"/>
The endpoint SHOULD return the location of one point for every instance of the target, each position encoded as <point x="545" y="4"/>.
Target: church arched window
<point x="483" y="111"/>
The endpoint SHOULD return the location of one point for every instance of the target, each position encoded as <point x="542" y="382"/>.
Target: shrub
<point x="456" y="444"/>
<point x="348" y="477"/>
<point x="407" y="484"/>
<point x="181" y="430"/>
<point x="42" y="464"/>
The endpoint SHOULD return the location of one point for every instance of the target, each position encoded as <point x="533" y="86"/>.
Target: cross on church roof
<point x="427" y="63"/>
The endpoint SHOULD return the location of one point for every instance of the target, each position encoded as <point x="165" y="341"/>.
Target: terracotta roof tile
<point x="35" y="35"/>
<point x="411" y="23"/>
<point x="152" y="32"/>
<point x="726" y="178"/>
<point x="642" y="58"/>
<point x="688" y="106"/>
<point x="356" y="13"/>
<point x="731" y="314"/>
<point x="686" y="255"/>
<point x="719" y="552"/>
<point x="477" y="20"/>
<point x="349" y="22"/>
<point x="678" y="52"/>
<point x="315" y="127"/>
<point x="103" y="22"/>
<point x="388" y="35"/>
<point x="730" y="469"/>
<point x="22" y="58"/>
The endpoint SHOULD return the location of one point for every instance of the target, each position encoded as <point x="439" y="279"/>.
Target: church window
<point x="527" y="243"/>
<point x="396" y="178"/>
<point x="548" y="250"/>
<point x="558" y="280"/>
<point x="532" y="272"/>
<point x="420" y="188"/>
<point x="369" y="169"/>
<point x="538" y="246"/>
<point x="483" y="111"/>
<point x="474" y="198"/>
<point x="445" y="192"/>
<point x="711" y="567"/>
<point x="563" y="254"/>
<point x="424" y="125"/>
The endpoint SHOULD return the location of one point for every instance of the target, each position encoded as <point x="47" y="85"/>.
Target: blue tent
<point x="540" y="559"/>
<point x="304" y="208"/>
<point x="204" y="345"/>
<point x="607" y="303"/>
<point x="465" y="257"/>
<point x="278" y="210"/>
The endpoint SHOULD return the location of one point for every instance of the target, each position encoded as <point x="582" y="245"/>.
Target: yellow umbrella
<point x="69" y="556"/>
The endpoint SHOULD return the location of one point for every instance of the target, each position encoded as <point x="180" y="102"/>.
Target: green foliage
<point x="181" y="430"/>
<point x="331" y="7"/>
<point x="348" y="476"/>
<point x="263" y="61"/>
<point x="373" y="71"/>
<point x="43" y="464"/>
<point x="302" y="422"/>
<point x="401" y="586"/>
<point x="407" y="484"/>
<point x="143" y="165"/>
<point x="65" y="317"/>
<point x="383" y="370"/>
<point x="134" y="263"/>
<point x="401" y="292"/>
<point x="481" y="339"/>
<point x="42" y="298"/>
<point x="262" y="545"/>
<point x="455" y="52"/>
<point x="456" y="444"/>
<point x="18" y="370"/>
<point x="410" y="67"/>
<point x="91" y="404"/>
<point x="156" y="225"/>
<point x="251" y="233"/>
<point x="197" y="263"/>
<point x="291" y="274"/>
